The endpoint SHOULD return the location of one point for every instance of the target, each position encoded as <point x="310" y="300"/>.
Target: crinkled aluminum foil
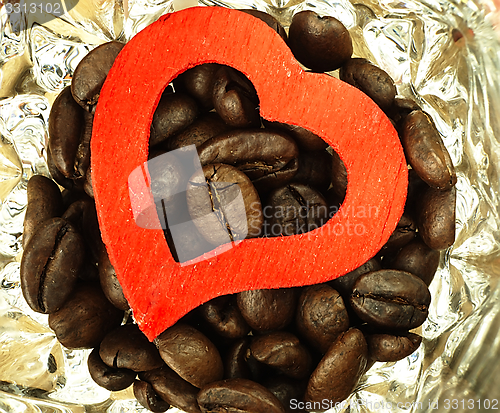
<point x="458" y="365"/>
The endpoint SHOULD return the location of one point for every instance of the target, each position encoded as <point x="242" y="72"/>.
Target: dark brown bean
<point x="110" y="284"/>
<point x="51" y="264"/>
<point x="425" y="151"/>
<point x="283" y="351"/>
<point x="44" y="202"/>
<point x="199" y="83"/>
<point x="418" y="259"/>
<point x="91" y="73"/>
<point x="238" y="395"/>
<point x="345" y="283"/>
<point x="56" y="174"/>
<point x="224" y="204"/>
<point x="269" y="20"/>
<point x="190" y="354"/>
<point x="391" y="299"/>
<point x="235" y="360"/>
<point x="306" y="140"/>
<point x="110" y="378"/>
<point x="147" y="397"/>
<point x="339" y="370"/>
<point x="224" y="317"/>
<point x="235" y="99"/>
<point x="315" y="169"/>
<point x="388" y="347"/>
<point x="322" y="44"/>
<point x="285" y="389"/>
<point x="321" y="316"/>
<point x="86" y="317"/>
<point x="266" y="310"/>
<point x="436" y="218"/>
<point x="371" y="80"/>
<point x="339" y="177"/>
<point x="173" y="389"/>
<point x="126" y="347"/>
<point x="404" y="233"/>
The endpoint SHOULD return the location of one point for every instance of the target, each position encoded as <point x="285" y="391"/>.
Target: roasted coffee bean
<point x="391" y="299"/>
<point x="436" y="218"/>
<point x="270" y="159"/>
<point x="321" y="316"/>
<point x="238" y="395"/>
<point x="295" y="209"/>
<point x="269" y="20"/>
<point x="388" y="347"/>
<point x="56" y="174"/>
<point x="285" y="389"/>
<point x="306" y="140"/>
<point x="110" y="378"/>
<point x="174" y="113"/>
<point x="266" y="310"/>
<point x="282" y="351"/>
<point x="85" y="318"/>
<point x="345" y="283"/>
<point x="339" y="177"/>
<point x="199" y="83"/>
<point x="91" y="73"/>
<point x="404" y="233"/>
<point x="189" y="243"/>
<point x="235" y="99"/>
<point x="418" y="259"/>
<point x="126" y="347"/>
<point x="82" y="157"/>
<point x="322" y="44"/>
<point x="190" y="354"/>
<point x="201" y="130"/>
<point x="110" y="284"/>
<point x="425" y="151"/>
<point x="173" y="389"/>
<point x="371" y="80"/>
<point x="224" y="204"/>
<point x="147" y="397"/>
<point x="339" y="370"/>
<point x="44" y="202"/>
<point x="315" y="169"/>
<point x="401" y="107"/>
<point x="66" y="122"/>
<point x="224" y="317"/>
<point x="51" y="263"/>
<point x="235" y="360"/>
<point x="87" y="183"/>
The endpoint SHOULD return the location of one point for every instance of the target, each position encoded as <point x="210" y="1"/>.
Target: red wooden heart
<point x="159" y="290"/>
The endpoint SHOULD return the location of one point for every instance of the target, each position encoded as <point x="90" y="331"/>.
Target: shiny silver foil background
<point x="457" y="367"/>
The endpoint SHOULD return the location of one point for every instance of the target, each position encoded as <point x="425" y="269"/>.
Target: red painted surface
<point x="159" y="290"/>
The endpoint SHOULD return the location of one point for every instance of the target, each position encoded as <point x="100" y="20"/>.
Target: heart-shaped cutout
<point x="160" y="290"/>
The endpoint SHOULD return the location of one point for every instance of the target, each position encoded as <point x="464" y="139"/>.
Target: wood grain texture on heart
<point x="159" y="290"/>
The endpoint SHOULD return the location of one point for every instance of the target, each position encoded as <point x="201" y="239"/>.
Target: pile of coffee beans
<point x="256" y="351"/>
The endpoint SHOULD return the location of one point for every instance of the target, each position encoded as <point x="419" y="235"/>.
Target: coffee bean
<point x="66" y="122"/>
<point x="91" y="72"/>
<point x="190" y="354"/>
<point x="321" y="316"/>
<point x="238" y="395"/>
<point x="126" y="347"/>
<point x="322" y="44"/>
<point x="224" y="317"/>
<point x="285" y="389"/>
<point x="171" y="388"/>
<point x="50" y="265"/>
<point x="174" y="113"/>
<point x="282" y="351"/>
<point x="418" y="259"/>
<point x="339" y="370"/>
<point x="224" y="204"/>
<point x="199" y="83"/>
<point x="44" y="202"/>
<point x="56" y="174"/>
<point x="315" y="170"/>
<point x="391" y="299"/>
<point x="110" y="284"/>
<point x="235" y="360"/>
<point x="425" y="151"/>
<point x="436" y="218"/>
<point x="371" y="80"/>
<point x="306" y="140"/>
<point x="147" y="397"/>
<point x="110" y="378"/>
<point x="339" y="177"/>
<point x="85" y="318"/>
<point x="388" y="347"/>
<point x="266" y="310"/>
<point x="235" y="99"/>
<point x="345" y="283"/>
<point x="269" y="20"/>
<point x="404" y="233"/>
